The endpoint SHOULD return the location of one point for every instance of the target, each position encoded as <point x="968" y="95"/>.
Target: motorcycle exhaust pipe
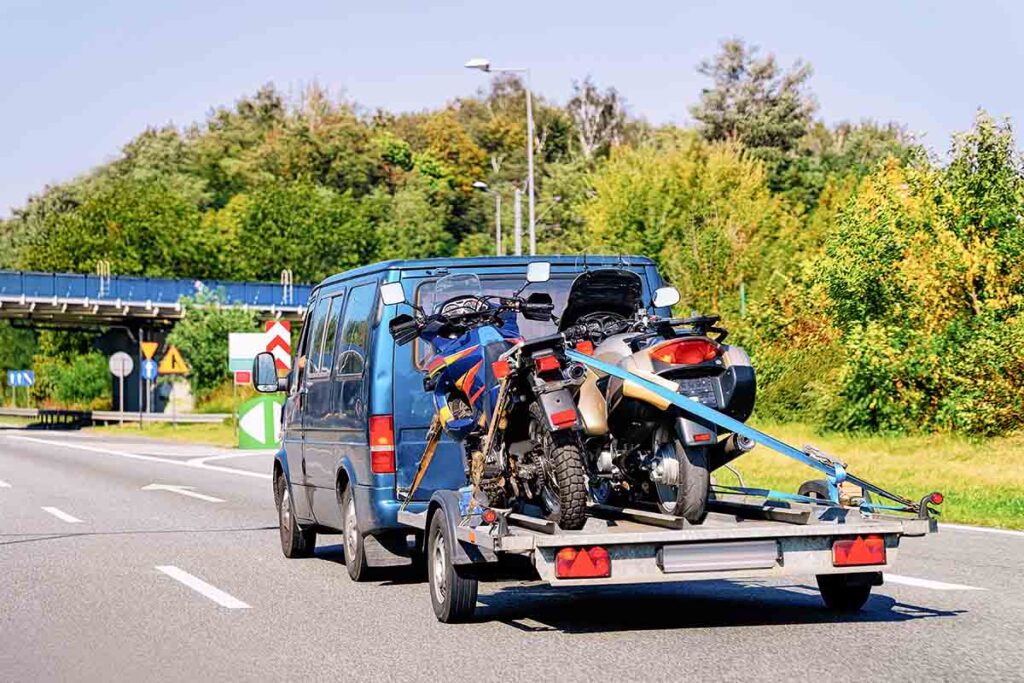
<point x="576" y="370"/>
<point x="728" y="449"/>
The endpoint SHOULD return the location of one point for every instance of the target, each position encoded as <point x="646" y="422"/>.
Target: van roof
<point x="485" y="261"/>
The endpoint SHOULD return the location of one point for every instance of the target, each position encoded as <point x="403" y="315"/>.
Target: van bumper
<point x="377" y="509"/>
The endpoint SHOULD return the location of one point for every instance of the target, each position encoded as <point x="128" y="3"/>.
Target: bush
<point x="82" y="382"/>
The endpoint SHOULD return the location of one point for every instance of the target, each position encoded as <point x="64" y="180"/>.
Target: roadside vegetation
<point x="876" y="283"/>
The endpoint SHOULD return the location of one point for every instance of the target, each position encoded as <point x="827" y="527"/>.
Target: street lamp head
<point x="481" y="185"/>
<point x="479" y="63"/>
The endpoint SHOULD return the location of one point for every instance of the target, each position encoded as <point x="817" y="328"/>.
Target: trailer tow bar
<point x="834" y="470"/>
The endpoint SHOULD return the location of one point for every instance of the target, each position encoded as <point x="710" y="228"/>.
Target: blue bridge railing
<point x="157" y="290"/>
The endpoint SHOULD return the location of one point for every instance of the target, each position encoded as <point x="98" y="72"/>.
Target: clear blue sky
<point x="79" y="79"/>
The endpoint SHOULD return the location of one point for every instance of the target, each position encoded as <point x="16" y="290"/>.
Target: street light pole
<point x="485" y="66"/>
<point x="483" y="187"/>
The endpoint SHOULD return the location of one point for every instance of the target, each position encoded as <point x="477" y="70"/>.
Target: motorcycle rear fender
<point x="695" y="432"/>
<point x="558" y="401"/>
<point x="633" y="390"/>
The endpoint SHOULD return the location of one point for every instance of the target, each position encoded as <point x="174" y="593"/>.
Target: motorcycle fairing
<point x="607" y="290"/>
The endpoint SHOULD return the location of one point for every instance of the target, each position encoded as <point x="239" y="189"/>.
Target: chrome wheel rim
<point x="351" y="529"/>
<point x="285" y="514"/>
<point x="666" y="493"/>
<point x="440" y="569"/>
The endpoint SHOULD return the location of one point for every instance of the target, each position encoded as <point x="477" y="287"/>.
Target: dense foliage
<point x="876" y="286"/>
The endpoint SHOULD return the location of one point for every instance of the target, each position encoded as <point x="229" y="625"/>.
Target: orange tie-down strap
<point x="433" y="438"/>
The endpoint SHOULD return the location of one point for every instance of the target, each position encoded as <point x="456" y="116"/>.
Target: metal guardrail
<point x="116" y="416"/>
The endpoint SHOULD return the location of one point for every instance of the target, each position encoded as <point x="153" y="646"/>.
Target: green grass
<point x="6" y="421"/>
<point x="218" y="434"/>
<point x="982" y="480"/>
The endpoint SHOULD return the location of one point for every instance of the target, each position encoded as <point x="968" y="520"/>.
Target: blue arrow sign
<point x="149" y="370"/>
<point x="20" y="378"/>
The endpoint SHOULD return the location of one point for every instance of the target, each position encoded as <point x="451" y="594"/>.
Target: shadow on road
<point x="399" y="572"/>
<point x="672" y="606"/>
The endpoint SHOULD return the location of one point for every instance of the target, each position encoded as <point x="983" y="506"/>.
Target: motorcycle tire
<point x="691" y="494"/>
<point x="566" y="502"/>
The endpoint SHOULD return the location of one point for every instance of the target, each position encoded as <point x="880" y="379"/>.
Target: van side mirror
<point x="264" y="374"/>
<point x="665" y="297"/>
<point x="392" y="293"/>
<point x="538" y="271"/>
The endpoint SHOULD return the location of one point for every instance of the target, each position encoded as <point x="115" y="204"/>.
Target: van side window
<point x="349" y="369"/>
<point x="312" y="339"/>
<point x="324" y="333"/>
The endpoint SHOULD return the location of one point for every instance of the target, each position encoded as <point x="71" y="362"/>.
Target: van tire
<point x="452" y="593"/>
<point x="295" y="541"/>
<point x="355" y="549"/>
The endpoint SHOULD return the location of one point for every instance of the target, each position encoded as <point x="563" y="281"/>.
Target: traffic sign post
<point x="121" y="365"/>
<point x="20" y="378"/>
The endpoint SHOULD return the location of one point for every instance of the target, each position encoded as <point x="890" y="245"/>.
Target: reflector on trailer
<point x="855" y="552"/>
<point x="585" y="563"/>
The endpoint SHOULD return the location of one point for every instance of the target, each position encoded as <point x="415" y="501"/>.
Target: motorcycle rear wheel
<point x="564" y="491"/>
<point x="689" y="498"/>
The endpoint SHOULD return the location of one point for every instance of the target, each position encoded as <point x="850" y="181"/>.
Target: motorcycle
<point x="508" y="401"/>
<point x="640" y="447"/>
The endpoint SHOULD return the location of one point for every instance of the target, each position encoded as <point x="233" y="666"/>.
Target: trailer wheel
<point x="355" y="550"/>
<point x="295" y="541"/>
<point x="845" y="592"/>
<point x="453" y="595"/>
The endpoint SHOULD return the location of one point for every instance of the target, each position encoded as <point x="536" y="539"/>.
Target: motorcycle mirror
<point x="665" y="296"/>
<point x="538" y="271"/>
<point x="392" y="293"/>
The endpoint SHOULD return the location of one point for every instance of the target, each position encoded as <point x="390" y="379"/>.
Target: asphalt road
<point x="98" y="581"/>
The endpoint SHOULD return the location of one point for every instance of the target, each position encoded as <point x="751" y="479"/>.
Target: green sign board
<point x="259" y="422"/>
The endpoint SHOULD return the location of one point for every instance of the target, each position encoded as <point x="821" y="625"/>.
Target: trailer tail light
<point x="547" y="364"/>
<point x="856" y="552"/>
<point x="685" y="351"/>
<point x="583" y="563"/>
<point x="564" y="418"/>
<point x="382" y="444"/>
<point x="936" y="498"/>
<point x="501" y="368"/>
<point x="586" y="347"/>
<point x="489" y="516"/>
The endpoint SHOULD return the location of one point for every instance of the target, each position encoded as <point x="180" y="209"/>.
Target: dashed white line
<point x="63" y="516"/>
<point x="198" y="585"/>
<point x="928" y="583"/>
<point x="980" y="529"/>
<point x="147" y="458"/>
<point x="4" y="484"/>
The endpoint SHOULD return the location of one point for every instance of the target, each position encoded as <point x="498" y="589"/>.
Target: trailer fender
<point x="461" y="553"/>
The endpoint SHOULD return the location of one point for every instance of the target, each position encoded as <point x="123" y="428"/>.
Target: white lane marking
<point x="241" y="454"/>
<point x="199" y="586"/>
<point x="147" y="458"/>
<point x="63" y="516"/>
<point x="182" y="490"/>
<point x="980" y="529"/>
<point x="928" y="583"/>
<point x="4" y="484"/>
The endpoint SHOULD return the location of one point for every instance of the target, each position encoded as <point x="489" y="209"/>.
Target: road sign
<point x="20" y="378"/>
<point x="243" y="377"/>
<point x="259" y="422"/>
<point x="243" y="347"/>
<point x="149" y="348"/>
<point x="121" y="365"/>
<point x="172" y="363"/>
<point x="279" y="342"/>
<point x="149" y="370"/>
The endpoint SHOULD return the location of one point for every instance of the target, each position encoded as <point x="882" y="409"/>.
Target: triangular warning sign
<point x="172" y="363"/>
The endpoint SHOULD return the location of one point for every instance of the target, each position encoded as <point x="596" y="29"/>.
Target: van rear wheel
<point x="355" y="550"/>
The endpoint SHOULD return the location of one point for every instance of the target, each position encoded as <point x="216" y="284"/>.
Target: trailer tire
<point x="845" y="592"/>
<point x="295" y="541"/>
<point x="452" y="593"/>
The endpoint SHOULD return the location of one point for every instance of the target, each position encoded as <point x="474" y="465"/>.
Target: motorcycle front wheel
<point x="687" y="499"/>
<point x="564" y="491"/>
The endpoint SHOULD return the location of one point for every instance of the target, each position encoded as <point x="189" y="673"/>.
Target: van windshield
<point x="436" y="292"/>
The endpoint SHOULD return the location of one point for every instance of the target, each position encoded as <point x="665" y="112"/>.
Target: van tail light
<point x="382" y="444"/>
<point x="685" y="351"/>
<point x="856" y="552"/>
<point x="583" y="563"/>
<point x="547" y="363"/>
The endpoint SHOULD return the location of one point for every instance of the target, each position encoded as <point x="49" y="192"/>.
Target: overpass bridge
<point x="101" y="300"/>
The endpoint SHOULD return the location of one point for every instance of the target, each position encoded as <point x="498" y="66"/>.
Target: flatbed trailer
<point x="739" y="539"/>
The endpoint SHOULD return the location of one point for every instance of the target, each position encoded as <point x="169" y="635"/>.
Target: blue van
<point x="356" y="415"/>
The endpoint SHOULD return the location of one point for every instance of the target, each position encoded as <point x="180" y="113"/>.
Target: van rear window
<point x="557" y="287"/>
